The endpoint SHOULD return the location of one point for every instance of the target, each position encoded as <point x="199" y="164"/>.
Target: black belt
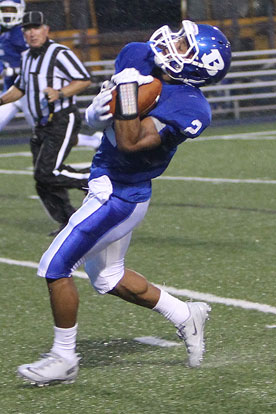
<point x="46" y="120"/>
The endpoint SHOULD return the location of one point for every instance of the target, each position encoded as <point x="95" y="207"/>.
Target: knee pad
<point x="104" y="279"/>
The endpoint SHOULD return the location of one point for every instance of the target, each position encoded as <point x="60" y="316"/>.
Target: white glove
<point x="131" y="75"/>
<point x="97" y="115"/>
<point x="8" y="71"/>
<point x="108" y="85"/>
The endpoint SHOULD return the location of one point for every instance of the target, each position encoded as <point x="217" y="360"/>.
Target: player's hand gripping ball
<point x="148" y="96"/>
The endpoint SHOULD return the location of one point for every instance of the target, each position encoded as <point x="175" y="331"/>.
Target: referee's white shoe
<point x="51" y="368"/>
<point x="192" y="332"/>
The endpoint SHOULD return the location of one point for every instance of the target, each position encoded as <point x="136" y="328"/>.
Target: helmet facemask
<point x="192" y="66"/>
<point x="9" y="19"/>
<point x="163" y="43"/>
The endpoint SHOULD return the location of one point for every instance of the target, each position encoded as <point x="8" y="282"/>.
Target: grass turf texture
<point x="212" y="238"/>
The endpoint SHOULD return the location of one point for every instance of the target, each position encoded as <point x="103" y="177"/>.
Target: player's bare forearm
<point x="135" y="135"/>
<point x="12" y="94"/>
<point x="127" y="133"/>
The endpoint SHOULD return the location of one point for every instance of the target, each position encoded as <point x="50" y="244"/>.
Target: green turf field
<point x="215" y="237"/>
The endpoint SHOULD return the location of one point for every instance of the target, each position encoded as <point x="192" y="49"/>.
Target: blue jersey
<point x="182" y="112"/>
<point x="12" y="44"/>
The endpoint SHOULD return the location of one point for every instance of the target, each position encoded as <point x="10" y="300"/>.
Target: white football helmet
<point x="206" y="56"/>
<point x="14" y="16"/>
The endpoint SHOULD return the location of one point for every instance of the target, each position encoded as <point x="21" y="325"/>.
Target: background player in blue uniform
<point x="12" y="44"/>
<point x="133" y="151"/>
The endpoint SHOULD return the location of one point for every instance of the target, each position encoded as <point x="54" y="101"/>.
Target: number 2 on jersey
<point x="195" y="128"/>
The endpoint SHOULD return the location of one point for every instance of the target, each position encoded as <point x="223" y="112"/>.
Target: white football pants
<point x="8" y="112"/>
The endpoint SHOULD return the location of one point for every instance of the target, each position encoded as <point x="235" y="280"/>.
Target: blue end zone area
<point x="17" y="132"/>
<point x="14" y="141"/>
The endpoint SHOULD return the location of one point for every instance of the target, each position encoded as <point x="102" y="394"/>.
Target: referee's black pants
<point x="50" y="146"/>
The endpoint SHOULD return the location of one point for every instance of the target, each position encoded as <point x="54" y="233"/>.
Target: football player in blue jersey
<point x="132" y="153"/>
<point x="12" y="44"/>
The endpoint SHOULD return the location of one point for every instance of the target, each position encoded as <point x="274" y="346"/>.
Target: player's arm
<point x="135" y="135"/>
<point x="131" y="133"/>
<point x="12" y="94"/>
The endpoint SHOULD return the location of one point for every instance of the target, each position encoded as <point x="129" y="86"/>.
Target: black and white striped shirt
<point x="54" y="66"/>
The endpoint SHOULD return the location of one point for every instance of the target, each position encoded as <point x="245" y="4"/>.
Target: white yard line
<point x="29" y="154"/>
<point x="34" y="265"/>
<point x="16" y="172"/>
<point x="155" y="341"/>
<point x="261" y="135"/>
<point x="234" y="137"/>
<point x="171" y="178"/>
<point x="208" y="297"/>
<point x="244" y="304"/>
<point x="16" y="154"/>
<point x="218" y="180"/>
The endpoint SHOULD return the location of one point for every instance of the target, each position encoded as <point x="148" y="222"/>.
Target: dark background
<point x="249" y="24"/>
<point x="118" y="15"/>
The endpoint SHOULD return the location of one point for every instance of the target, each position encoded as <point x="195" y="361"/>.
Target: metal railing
<point x="249" y="87"/>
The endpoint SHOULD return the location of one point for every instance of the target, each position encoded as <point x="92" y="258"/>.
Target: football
<point x="148" y="95"/>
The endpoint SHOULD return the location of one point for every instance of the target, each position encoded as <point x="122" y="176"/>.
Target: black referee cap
<point x="33" y="18"/>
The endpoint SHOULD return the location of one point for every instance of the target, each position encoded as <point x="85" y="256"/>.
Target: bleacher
<point x="248" y="89"/>
<point x="249" y="86"/>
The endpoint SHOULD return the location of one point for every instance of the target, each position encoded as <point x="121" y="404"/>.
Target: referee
<point x="51" y="75"/>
